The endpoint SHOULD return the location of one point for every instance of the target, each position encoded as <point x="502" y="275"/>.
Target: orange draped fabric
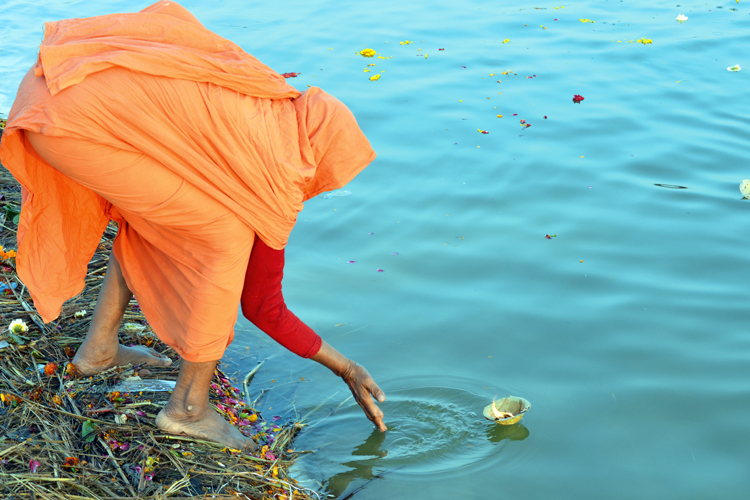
<point x="191" y="144"/>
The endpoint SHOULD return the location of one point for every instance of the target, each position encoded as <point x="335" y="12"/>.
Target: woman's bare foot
<point x="203" y="423"/>
<point x="91" y="361"/>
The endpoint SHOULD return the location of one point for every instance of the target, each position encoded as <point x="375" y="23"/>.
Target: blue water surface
<point x="626" y="329"/>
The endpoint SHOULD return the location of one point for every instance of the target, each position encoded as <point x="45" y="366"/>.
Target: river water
<point x="626" y="329"/>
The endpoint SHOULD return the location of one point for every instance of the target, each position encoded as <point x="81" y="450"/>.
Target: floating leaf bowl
<point x="511" y="404"/>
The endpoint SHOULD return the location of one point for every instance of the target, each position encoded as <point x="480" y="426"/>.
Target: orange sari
<point x="212" y="148"/>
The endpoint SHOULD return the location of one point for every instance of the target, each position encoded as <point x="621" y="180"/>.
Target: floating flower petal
<point x="578" y="98"/>
<point x="682" y="18"/>
<point x="734" y="68"/>
<point x="745" y="188"/>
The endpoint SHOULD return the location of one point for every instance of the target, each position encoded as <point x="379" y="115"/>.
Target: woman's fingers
<point x="376" y="392"/>
<point x="372" y="411"/>
<point x="362" y="385"/>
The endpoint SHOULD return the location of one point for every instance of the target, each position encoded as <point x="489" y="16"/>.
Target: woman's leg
<point x="100" y="349"/>
<point x="104" y="169"/>
<point x="188" y="411"/>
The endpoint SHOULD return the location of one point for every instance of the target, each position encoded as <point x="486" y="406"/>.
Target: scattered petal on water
<point x="506" y="40"/>
<point x="370" y="234"/>
<point x="375" y="77"/>
<point x="586" y="20"/>
<point x="367" y="53"/>
<point x="352" y="262"/>
<point x="394" y="253"/>
<point x="682" y="18"/>
<point x="578" y="98"/>
<point x="745" y="188"/>
<point x="381" y="270"/>
<point x="734" y="68"/>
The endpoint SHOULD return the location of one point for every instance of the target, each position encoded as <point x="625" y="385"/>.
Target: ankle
<point x="186" y="410"/>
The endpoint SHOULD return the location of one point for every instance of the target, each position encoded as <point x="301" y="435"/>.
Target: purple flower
<point x="270" y="456"/>
<point x="33" y="465"/>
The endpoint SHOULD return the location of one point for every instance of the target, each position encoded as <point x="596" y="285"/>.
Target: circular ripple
<point x="430" y="430"/>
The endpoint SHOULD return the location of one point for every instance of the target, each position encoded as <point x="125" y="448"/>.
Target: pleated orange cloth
<point x="191" y="144"/>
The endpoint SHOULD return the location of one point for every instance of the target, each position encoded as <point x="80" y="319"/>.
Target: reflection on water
<point x="368" y="458"/>
<point x="361" y="468"/>
<point x="498" y="433"/>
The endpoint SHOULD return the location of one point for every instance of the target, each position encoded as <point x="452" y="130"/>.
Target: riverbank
<point x="95" y="438"/>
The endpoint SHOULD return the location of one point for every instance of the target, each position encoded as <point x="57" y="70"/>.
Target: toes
<point x="162" y="361"/>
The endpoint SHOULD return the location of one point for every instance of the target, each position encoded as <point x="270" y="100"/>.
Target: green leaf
<point x="18" y="339"/>
<point x="11" y="211"/>
<point x="16" y="219"/>
<point x="89" y="431"/>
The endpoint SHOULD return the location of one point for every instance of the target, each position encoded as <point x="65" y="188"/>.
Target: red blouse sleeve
<point x="263" y="303"/>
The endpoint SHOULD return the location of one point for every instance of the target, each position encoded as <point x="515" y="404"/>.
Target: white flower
<point x="133" y="327"/>
<point x="18" y="326"/>
<point x="682" y="18"/>
<point x="80" y="314"/>
<point x="745" y="188"/>
<point x="734" y="68"/>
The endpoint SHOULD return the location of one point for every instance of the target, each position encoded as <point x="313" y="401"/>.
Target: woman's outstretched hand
<point x="363" y="389"/>
<point x="360" y="382"/>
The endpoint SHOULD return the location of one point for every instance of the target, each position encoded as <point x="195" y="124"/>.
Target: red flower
<point x="548" y="236"/>
<point x="577" y="98"/>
